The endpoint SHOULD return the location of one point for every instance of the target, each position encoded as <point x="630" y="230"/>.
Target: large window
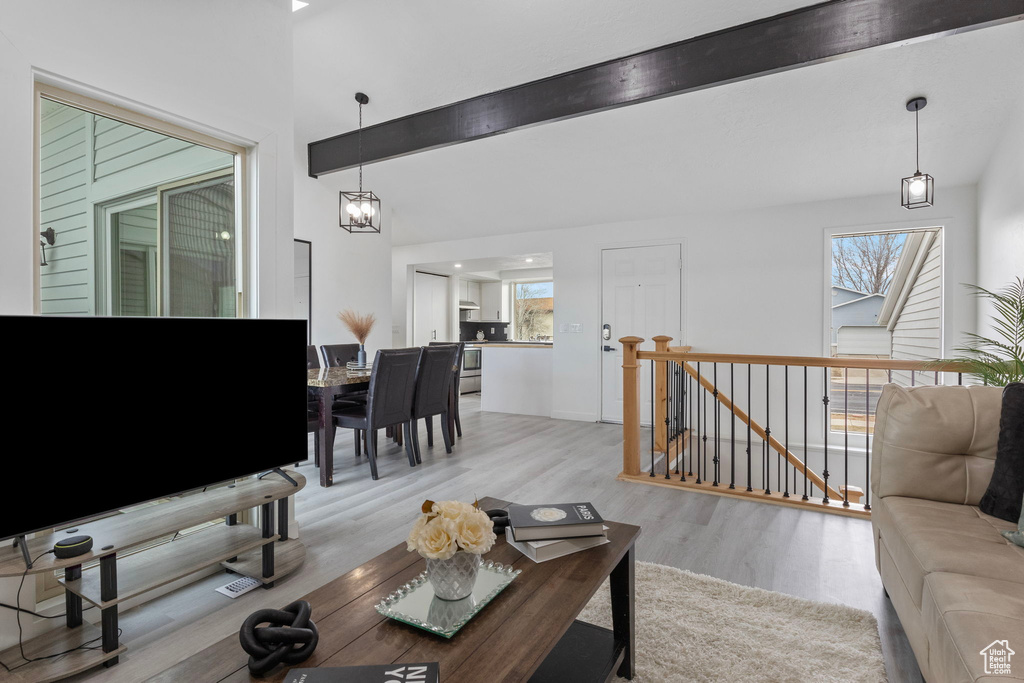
<point x="533" y="310"/>
<point x="146" y="218"/>
<point x="886" y="303"/>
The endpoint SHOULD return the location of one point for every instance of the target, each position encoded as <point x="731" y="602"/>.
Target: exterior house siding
<point x="917" y="333"/>
<point x="88" y="161"/>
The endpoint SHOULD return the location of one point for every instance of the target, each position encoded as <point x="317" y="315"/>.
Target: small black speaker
<point x="72" y="547"/>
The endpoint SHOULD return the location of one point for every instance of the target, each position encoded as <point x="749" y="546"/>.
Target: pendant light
<point x="359" y="212"/>
<point x="918" y="189"/>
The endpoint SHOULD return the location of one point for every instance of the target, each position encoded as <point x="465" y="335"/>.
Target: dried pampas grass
<point x="357" y="323"/>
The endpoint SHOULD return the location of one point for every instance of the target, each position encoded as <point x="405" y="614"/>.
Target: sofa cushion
<point x="937" y="443"/>
<point x="925" y="536"/>
<point x="1006" y="488"/>
<point x="963" y="615"/>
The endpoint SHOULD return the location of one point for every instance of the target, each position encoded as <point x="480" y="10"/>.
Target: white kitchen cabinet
<point x="494" y="302"/>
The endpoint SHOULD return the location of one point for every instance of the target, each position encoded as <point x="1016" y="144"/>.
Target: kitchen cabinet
<point x="494" y="302"/>
<point x="469" y="290"/>
<point x="431" y="306"/>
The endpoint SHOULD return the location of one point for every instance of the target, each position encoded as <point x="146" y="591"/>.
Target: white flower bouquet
<point x="450" y="526"/>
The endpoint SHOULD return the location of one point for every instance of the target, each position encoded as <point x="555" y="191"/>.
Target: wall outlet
<point x="492" y="330"/>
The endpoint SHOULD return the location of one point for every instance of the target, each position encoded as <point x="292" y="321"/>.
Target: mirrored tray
<point x="415" y="603"/>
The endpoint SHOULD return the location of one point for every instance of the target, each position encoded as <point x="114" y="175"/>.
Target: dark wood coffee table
<point x="528" y="633"/>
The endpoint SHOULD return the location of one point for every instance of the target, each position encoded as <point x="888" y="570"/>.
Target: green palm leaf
<point x="997" y="361"/>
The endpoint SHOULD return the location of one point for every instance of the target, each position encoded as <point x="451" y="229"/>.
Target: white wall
<point x="754" y="281"/>
<point x="222" y="68"/>
<point x="1001" y="214"/>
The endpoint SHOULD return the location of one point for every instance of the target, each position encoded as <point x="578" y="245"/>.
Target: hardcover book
<point x="427" y="672"/>
<point x="542" y="551"/>
<point x="559" y="520"/>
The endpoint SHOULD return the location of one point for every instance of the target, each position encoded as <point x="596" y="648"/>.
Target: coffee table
<point x="528" y="633"/>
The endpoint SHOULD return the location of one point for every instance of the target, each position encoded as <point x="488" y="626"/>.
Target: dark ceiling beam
<point x="787" y="41"/>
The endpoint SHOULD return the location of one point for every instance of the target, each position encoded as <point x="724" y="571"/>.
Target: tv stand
<point x="278" y="470"/>
<point x="20" y="541"/>
<point x="266" y="553"/>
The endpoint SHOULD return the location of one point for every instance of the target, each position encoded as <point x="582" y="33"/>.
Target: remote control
<point x="239" y="586"/>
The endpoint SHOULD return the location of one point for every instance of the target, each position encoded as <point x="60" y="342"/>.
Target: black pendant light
<point x="359" y="212"/>
<point x="919" y="189"/>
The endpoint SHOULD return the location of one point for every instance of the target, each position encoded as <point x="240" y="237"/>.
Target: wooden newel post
<point x="660" y="395"/>
<point x="630" y="405"/>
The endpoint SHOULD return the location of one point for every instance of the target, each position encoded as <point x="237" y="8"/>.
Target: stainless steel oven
<point x="472" y="359"/>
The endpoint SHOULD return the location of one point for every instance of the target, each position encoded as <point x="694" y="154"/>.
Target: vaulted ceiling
<point x="837" y="129"/>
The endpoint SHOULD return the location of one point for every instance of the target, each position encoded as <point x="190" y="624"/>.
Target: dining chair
<point x="453" y="393"/>
<point x="433" y="382"/>
<point x="388" y="401"/>
<point x="338" y="356"/>
<point x="313" y="404"/>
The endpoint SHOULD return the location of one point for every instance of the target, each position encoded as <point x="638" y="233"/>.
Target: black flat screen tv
<point x="105" y="413"/>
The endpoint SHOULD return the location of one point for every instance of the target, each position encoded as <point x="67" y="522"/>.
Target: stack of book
<point x="544" y="532"/>
<point x="426" y="672"/>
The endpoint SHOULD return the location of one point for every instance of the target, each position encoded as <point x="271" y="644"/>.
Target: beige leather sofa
<point x="955" y="582"/>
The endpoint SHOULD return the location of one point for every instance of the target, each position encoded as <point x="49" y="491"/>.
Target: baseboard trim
<point x="576" y="417"/>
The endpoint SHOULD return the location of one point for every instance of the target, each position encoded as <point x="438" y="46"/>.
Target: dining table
<point x="328" y="384"/>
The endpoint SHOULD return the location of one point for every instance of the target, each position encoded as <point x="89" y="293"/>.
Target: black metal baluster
<point x="828" y="428"/>
<point x="704" y="438"/>
<point x="732" y="426"/>
<point x="959" y="378"/>
<point x="785" y="492"/>
<point x="718" y="427"/>
<point x="936" y="378"/>
<point x="652" y="425"/>
<point x="700" y="393"/>
<point x="913" y="376"/>
<point x="867" y="439"/>
<point x="677" y="376"/>
<point x="750" y="410"/>
<point x="846" y="437"/>
<point x="766" y="449"/>
<point x="805" y="435"/>
<point x="669" y="412"/>
<point x="689" y="421"/>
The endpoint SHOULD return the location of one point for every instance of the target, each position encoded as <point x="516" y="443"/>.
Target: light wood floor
<point x="528" y="459"/>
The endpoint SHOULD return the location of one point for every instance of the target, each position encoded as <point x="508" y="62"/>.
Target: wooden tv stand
<point x="262" y="553"/>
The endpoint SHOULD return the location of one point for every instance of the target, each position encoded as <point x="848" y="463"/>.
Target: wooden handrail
<point x="805" y="361"/>
<point x="775" y="444"/>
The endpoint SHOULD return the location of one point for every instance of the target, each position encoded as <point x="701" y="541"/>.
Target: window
<point x="886" y="303"/>
<point x="146" y="217"/>
<point x="533" y="310"/>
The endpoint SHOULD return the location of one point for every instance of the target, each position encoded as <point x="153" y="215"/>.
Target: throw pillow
<point x="1018" y="535"/>
<point x="1006" y="490"/>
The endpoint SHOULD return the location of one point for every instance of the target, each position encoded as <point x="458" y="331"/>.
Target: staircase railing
<point x="813" y="427"/>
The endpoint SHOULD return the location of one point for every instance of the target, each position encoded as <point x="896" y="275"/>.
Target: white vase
<point x="454" y="578"/>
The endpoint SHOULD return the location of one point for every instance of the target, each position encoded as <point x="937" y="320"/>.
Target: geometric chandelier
<point x="359" y="212"/>
<point x="917" y="190"/>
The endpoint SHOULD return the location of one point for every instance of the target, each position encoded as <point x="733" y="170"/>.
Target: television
<point x="105" y="413"/>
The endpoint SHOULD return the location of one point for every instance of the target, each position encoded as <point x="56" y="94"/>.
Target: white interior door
<point x="430" y="308"/>
<point x="641" y="289"/>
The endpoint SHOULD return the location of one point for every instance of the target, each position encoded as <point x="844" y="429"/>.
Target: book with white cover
<point x="542" y="551"/>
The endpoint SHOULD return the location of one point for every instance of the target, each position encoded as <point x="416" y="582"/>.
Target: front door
<point x="640" y="296"/>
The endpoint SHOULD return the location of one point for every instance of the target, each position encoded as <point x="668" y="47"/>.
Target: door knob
<point x="608" y="348"/>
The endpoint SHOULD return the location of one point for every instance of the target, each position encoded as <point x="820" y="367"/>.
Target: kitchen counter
<point x="510" y="345"/>
<point x="516" y="378"/>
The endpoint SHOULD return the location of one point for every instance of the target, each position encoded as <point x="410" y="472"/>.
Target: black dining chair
<point x="433" y="382"/>
<point x="313" y="404"/>
<point x="338" y="356"/>
<point x="453" y="393"/>
<point x="388" y="401"/>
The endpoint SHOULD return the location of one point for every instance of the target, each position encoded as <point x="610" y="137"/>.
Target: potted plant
<point x="997" y="361"/>
<point x="452" y="536"/>
<point x="359" y="325"/>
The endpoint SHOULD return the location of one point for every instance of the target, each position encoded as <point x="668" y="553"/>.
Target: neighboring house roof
<point x="908" y="267"/>
<point x="847" y="289"/>
<point x="854" y="301"/>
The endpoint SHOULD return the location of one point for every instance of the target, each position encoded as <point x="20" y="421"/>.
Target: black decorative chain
<point x="290" y="637"/>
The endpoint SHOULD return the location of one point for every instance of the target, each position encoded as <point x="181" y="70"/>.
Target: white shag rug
<point x="691" y="627"/>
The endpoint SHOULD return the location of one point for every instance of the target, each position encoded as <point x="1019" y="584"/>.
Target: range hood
<point x="466" y="305"/>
